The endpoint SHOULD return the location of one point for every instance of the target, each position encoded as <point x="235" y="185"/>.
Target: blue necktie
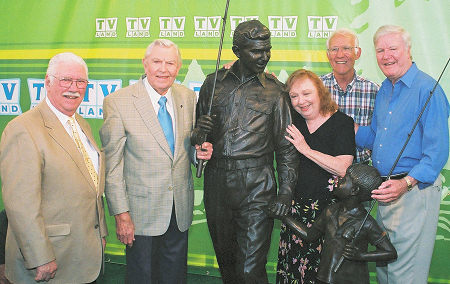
<point x="166" y="122"/>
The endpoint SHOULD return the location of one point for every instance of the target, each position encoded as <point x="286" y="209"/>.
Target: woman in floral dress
<point x="325" y="140"/>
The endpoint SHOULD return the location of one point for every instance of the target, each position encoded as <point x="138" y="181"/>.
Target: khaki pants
<point x="411" y="222"/>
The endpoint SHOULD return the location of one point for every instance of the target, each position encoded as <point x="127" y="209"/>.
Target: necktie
<point x="86" y="158"/>
<point x="166" y="122"/>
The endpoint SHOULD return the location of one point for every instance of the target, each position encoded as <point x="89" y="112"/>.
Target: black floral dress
<point x="298" y="260"/>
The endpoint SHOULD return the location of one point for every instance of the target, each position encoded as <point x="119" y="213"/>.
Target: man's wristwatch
<point x="408" y="183"/>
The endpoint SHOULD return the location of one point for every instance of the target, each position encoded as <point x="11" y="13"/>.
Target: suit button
<point x="96" y="226"/>
<point x="170" y="188"/>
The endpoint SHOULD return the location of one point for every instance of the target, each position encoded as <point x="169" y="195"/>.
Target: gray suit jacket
<point x="50" y="199"/>
<point x="142" y="175"/>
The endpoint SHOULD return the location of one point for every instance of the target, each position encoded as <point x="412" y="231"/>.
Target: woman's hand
<point x="297" y="139"/>
<point x="336" y="165"/>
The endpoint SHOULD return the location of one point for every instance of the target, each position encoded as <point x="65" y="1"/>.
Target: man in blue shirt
<point x="409" y="202"/>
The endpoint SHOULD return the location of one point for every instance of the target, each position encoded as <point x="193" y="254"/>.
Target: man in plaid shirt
<point x="355" y="95"/>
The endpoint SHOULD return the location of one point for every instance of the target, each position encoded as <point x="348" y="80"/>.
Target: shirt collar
<point x="155" y="96"/>
<point x="262" y="79"/>
<point x="355" y="78"/>
<point x="234" y="71"/>
<point x="61" y="116"/>
<point x="409" y="76"/>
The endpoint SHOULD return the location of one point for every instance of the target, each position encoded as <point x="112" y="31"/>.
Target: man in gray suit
<point x="149" y="186"/>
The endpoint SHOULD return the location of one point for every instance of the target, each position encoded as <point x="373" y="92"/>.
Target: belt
<point x="396" y="176"/>
<point x="231" y="164"/>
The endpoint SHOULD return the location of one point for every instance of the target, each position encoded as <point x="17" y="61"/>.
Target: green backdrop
<point x="112" y="36"/>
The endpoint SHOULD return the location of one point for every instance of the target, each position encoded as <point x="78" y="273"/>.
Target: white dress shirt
<point x="64" y="119"/>
<point x="154" y="97"/>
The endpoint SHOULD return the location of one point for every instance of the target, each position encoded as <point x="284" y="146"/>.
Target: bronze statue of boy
<point x="339" y="223"/>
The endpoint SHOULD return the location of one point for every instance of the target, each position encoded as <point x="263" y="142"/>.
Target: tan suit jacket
<point x="52" y="206"/>
<point x="142" y="175"/>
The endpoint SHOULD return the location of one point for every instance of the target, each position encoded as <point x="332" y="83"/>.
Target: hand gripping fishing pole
<point x="372" y="204"/>
<point x="201" y="163"/>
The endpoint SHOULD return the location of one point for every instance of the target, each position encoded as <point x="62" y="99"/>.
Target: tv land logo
<point x="236" y="20"/>
<point x="10" y="97"/>
<point x="92" y="104"/>
<point x="106" y="27"/>
<point x="90" y="107"/>
<point x="138" y="27"/>
<point x="321" y="27"/>
<point x="204" y="27"/>
<point x="207" y="26"/>
<point x="283" y="26"/>
<point x="171" y="26"/>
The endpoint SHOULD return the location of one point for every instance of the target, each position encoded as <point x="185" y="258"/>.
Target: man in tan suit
<point x="149" y="186"/>
<point x="56" y="229"/>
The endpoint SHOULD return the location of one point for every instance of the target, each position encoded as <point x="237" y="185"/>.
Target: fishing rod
<point x="201" y="163"/>
<point x="388" y="177"/>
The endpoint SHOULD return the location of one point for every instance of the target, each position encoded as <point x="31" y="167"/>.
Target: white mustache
<point x="72" y="94"/>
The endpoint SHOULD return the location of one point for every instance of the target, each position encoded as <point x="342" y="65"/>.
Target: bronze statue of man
<point x="251" y="113"/>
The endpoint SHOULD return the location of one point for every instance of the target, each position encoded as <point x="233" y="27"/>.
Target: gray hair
<point x="392" y="29"/>
<point x="343" y="32"/>
<point x="164" y="43"/>
<point x="65" y="57"/>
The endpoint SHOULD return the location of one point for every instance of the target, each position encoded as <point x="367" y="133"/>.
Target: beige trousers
<point x="411" y="222"/>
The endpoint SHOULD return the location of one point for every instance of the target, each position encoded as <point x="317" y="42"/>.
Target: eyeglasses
<point x="344" y="49"/>
<point x="67" y="82"/>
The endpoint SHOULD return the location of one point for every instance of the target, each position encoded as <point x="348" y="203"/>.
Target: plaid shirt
<point x="357" y="101"/>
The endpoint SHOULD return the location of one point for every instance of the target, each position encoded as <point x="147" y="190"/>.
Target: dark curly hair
<point x="366" y="177"/>
<point x="250" y="30"/>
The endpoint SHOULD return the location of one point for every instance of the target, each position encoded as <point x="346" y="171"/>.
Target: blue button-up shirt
<point x="397" y="108"/>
